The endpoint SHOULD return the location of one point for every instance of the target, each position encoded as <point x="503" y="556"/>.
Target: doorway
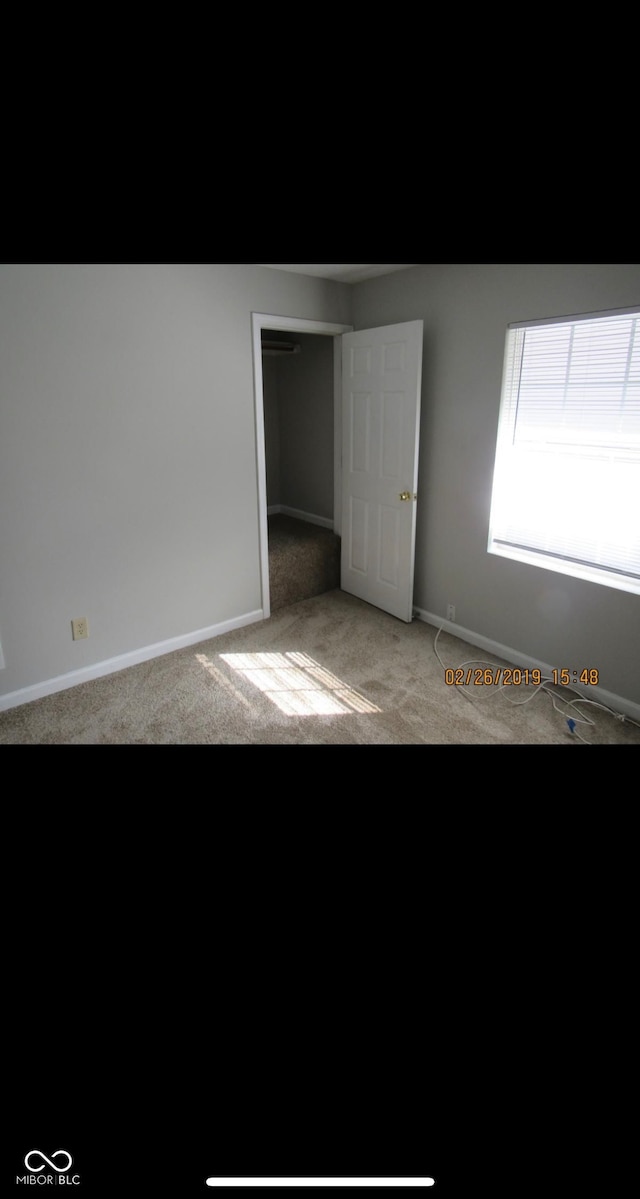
<point x="376" y="400"/>
<point x="302" y="474"/>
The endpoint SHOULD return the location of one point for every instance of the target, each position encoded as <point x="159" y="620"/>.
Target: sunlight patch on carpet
<point x="298" y="685"/>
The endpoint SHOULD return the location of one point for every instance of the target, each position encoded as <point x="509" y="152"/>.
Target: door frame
<point x="292" y="324"/>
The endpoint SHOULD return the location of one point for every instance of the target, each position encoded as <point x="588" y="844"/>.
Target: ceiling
<point x="342" y="272"/>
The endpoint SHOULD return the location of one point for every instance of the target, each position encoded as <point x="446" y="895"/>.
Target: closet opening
<point x="298" y="402"/>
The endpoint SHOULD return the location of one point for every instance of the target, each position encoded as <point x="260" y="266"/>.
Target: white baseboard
<point x="111" y="666"/>
<point x="616" y="702"/>
<point x="310" y="518"/>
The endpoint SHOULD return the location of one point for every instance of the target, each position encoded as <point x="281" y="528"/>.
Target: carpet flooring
<point x="304" y="560"/>
<point x="329" y="670"/>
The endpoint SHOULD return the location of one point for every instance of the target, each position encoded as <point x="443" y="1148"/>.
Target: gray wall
<point x="128" y="479"/>
<point x="466" y="310"/>
<point x="271" y="399"/>
<point x="299" y="425"/>
<point x="306" y="393"/>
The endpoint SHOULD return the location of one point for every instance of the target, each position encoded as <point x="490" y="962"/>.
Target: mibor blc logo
<point x="48" y="1171"/>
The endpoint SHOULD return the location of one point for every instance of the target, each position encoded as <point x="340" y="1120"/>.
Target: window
<point x="566" y="487"/>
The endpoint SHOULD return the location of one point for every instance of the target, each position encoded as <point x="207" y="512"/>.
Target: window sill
<point x="561" y="566"/>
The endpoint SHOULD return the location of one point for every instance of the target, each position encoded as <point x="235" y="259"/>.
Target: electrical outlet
<point x="451" y="613"/>
<point x="80" y="629"/>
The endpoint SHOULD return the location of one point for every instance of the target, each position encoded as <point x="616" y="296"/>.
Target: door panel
<point x="381" y="390"/>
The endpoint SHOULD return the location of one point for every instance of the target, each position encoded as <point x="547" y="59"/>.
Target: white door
<point x="381" y="389"/>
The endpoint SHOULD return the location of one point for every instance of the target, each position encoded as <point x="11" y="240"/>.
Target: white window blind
<point x="566" y="490"/>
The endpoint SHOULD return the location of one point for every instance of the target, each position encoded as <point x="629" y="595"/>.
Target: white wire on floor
<point x="545" y="685"/>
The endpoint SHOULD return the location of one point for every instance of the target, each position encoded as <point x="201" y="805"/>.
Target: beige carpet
<point x="304" y="560"/>
<point x="330" y="670"/>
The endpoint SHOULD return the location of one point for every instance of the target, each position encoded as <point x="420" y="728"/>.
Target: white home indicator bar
<point x="320" y="1182"/>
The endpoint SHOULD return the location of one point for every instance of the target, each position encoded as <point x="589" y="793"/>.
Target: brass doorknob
<point x="405" y="496"/>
